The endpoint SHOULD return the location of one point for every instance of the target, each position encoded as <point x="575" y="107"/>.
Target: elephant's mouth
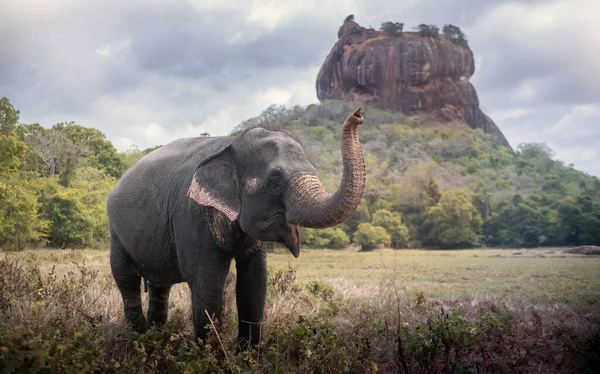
<point x="279" y="230"/>
<point x="292" y="239"/>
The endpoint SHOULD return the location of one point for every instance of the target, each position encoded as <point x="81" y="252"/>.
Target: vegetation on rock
<point x="394" y="28"/>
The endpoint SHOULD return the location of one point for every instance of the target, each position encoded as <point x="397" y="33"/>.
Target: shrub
<point x="428" y="30"/>
<point x="392" y="223"/>
<point x="333" y="238"/>
<point x="394" y="28"/>
<point x="455" y="34"/>
<point x="369" y="236"/>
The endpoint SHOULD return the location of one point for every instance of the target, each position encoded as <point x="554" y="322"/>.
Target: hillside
<point x="450" y="185"/>
<point x="428" y="184"/>
<point x="421" y="72"/>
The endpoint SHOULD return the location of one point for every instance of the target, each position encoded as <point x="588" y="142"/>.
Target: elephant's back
<point x="164" y="166"/>
<point x="138" y="205"/>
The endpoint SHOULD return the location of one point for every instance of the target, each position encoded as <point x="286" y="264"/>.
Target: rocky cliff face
<point x="407" y="73"/>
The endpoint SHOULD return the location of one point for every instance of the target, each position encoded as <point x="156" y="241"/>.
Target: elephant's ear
<point x="215" y="184"/>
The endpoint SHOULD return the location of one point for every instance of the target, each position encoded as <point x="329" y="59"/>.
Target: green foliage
<point x="100" y="153"/>
<point x="57" y="323"/>
<point x="65" y="147"/>
<point x="455" y="34"/>
<point x="54" y="182"/>
<point x="453" y="221"/>
<point x="78" y="213"/>
<point x="410" y="164"/>
<point x="392" y="223"/>
<point x="20" y="222"/>
<point x="9" y="117"/>
<point x="369" y="236"/>
<point x="446" y="336"/>
<point x="294" y="347"/>
<point x="394" y="28"/>
<point x="428" y="30"/>
<point x="349" y="18"/>
<point x="12" y="152"/>
<point x="334" y="238"/>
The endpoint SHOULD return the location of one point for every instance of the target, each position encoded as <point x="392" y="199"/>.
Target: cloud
<point x="146" y="72"/>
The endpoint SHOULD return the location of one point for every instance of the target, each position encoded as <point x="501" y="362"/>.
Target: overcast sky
<point x="145" y="72"/>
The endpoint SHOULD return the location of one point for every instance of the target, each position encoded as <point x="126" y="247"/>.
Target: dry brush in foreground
<point x="67" y="317"/>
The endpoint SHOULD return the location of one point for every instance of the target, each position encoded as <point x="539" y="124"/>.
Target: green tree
<point x="518" y="224"/>
<point x="428" y="30"/>
<point x="12" y="152"/>
<point x="131" y="156"/>
<point x="392" y="223"/>
<point x="433" y="192"/>
<point x="61" y="149"/>
<point x="394" y="28"/>
<point x="349" y="18"/>
<point x="569" y="221"/>
<point x="454" y="221"/>
<point x="20" y="224"/>
<point x="78" y="212"/>
<point x="9" y="117"/>
<point x="368" y="236"/>
<point x="455" y="34"/>
<point x="334" y="238"/>
<point x="91" y="144"/>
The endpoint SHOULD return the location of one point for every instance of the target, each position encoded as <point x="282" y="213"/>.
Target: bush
<point x="369" y="236"/>
<point x="428" y="30"/>
<point x="394" y="28"/>
<point x="453" y="221"/>
<point x="392" y="223"/>
<point x="455" y="34"/>
<point x="333" y="238"/>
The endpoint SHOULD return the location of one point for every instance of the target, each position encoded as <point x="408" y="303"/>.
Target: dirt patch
<point x="584" y="250"/>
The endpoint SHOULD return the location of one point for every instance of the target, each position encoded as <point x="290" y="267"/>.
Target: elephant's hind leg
<point x="128" y="281"/>
<point x="158" y="308"/>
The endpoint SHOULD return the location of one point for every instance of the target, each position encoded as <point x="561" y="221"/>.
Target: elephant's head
<point x="264" y="181"/>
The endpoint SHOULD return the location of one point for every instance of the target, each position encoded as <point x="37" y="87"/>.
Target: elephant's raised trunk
<point x="309" y="205"/>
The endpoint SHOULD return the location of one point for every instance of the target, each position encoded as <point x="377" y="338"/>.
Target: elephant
<point x="184" y="211"/>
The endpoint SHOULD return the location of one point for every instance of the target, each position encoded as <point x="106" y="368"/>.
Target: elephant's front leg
<point x="251" y="291"/>
<point x="207" y="296"/>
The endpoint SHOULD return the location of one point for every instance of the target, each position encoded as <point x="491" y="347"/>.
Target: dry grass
<point x="505" y="310"/>
<point x="535" y="276"/>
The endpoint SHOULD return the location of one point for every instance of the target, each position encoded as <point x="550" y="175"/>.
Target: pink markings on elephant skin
<point x="200" y="195"/>
<point x="252" y="186"/>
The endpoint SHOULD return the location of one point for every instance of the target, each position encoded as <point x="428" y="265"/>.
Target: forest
<point x="429" y="185"/>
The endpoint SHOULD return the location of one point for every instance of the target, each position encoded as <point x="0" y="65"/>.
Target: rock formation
<point x="407" y="73"/>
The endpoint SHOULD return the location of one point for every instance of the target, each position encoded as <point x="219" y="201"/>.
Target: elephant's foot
<point x="135" y="318"/>
<point x="158" y="307"/>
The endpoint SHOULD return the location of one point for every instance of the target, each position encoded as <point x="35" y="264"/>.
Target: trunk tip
<point x="357" y="116"/>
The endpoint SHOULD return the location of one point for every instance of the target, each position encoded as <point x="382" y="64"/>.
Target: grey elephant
<point x="185" y="210"/>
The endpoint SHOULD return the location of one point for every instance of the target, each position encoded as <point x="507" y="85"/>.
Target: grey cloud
<point x="169" y="63"/>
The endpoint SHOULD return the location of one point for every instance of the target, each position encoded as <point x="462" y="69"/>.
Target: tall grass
<point x="60" y="311"/>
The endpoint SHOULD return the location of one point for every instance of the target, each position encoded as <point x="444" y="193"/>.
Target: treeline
<point x="428" y="184"/>
<point x="444" y="185"/>
<point x="54" y="183"/>
<point x="450" y="31"/>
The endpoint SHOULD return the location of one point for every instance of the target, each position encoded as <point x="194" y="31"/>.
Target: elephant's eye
<point x="275" y="183"/>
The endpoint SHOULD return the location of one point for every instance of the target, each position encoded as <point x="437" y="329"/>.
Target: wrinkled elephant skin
<point x="184" y="211"/>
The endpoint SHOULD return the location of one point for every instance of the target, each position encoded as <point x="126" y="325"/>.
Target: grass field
<point x="327" y="311"/>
